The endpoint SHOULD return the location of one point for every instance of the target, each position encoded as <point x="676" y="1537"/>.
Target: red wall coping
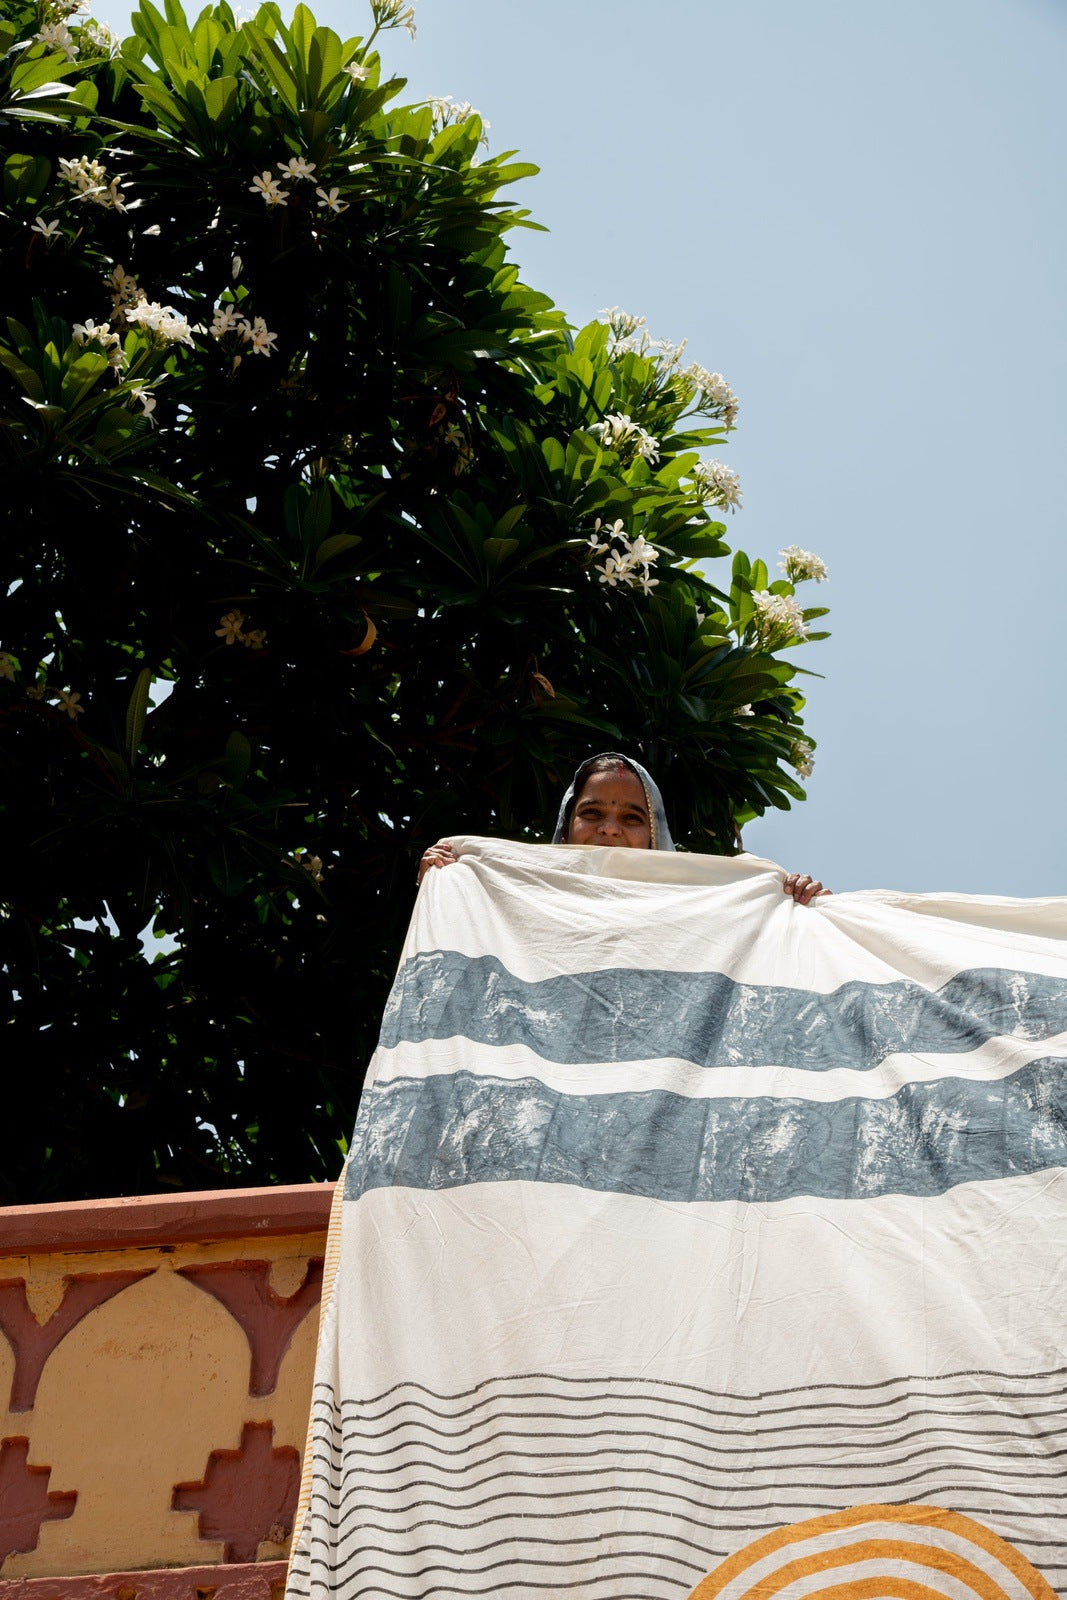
<point x="191" y="1215"/>
<point x="260" y="1580"/>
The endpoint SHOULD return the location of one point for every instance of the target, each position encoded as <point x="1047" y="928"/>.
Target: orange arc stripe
<point x="914" y="1516"/>
<point x="876" y="1589"/>
<point x="946" y="1561"/>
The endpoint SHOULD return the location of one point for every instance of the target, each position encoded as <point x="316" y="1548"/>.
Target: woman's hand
<point x="803" y="887"/>
<point x="440" y="854"/>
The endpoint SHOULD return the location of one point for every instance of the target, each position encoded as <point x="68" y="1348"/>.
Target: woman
<point x="613" y="801"/>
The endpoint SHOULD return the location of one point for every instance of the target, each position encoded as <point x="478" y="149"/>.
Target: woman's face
<point x="611" y="809"/>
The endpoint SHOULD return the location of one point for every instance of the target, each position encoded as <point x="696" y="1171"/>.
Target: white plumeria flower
<point x="779" y="617"/>
<point x="619" y="432"/>
<point x="236" y="268"/>
<point x="331" y="201"/>
<point x="224" y="321"/>
<point x="357" y="71"/>
<point x="311" y="864"/>
<point x="611" y="571"/>
<point x="90" y="179"/>
<point x="444" y="109"/>
<point x="153" y="232"/>
<point x="716" y="482"/>
<point x="622" y="323"/>
<point x="124" y="289"/>
<point x="597" y="545"/>
<point x="613" y="429"/>
<point x="745" y="711"/>
<point x="265" y="184"/>
<point x="101" y="35"/>
<point x="230" y="631"/>
<point x="109" y="196"/>
<point x="667" y="354"/>
<point x="802" y="758"/>
<point x="800" y="566"/>
<point x="296" y="167"/>
<point x="145" y="399"/>
<point x="89" y="332"/>
<point x="393" y="14"/>
<point x="57" y="36"/>
<point x="631" y="565"/>
<point x="715" y="393"/>
<point x="83" y="174"/>
<point x="47" y="230"/>
<point x="641" y="551"/>
<point x="258" y="336"/>
<point x="647" y="447"/>
<point x="68" y="702"/>
<point x="166" y="323"/>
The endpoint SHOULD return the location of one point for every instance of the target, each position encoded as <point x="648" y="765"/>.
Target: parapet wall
<point x="155" y="1382"/>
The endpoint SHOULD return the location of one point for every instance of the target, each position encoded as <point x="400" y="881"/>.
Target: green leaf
<point x="333" y="546"/>
<point x="238" y="759"/>
<point x="26" y="178"/>
<point x="24" y="374"/>
<point x="497" y="550"/>
<point x="276" y="68"/>
<point x="82" y="375"/>
<point x="220" y="99"/>
<point x="505" y="523"/>
<point x="136" y="711"/>
<point x="36" y="72"/>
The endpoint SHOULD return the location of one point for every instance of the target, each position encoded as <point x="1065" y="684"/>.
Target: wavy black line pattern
<point x="660" y="1489"/>
<point x="453" y="1129"/>
<point x="469" y="1460"/>
<point x="899" y="1419"/>
<point x="712" y="1020"/>
<point x="980" y="1379"/>
<point x="411" y="1510"/>
<point x="623" y="1423"/>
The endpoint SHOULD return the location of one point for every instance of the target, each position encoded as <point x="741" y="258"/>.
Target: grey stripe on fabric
<point x="709" y="1019"/>
<point x="450" y="1130"/>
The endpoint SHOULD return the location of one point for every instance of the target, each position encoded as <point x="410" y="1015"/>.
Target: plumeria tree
<point x="323" y="537"/>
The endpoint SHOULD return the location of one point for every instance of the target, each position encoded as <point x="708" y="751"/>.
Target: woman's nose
<point x="610" y="825"/>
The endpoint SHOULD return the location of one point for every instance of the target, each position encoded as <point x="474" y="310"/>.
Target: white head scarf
<point x="661" y="834"/>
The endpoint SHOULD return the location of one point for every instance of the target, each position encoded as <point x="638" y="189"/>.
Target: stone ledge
<point x="252" y="1580"/>
<point x="144" y="1220"/>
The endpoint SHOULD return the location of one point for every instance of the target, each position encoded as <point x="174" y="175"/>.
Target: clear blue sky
<point x="857" y="213"/>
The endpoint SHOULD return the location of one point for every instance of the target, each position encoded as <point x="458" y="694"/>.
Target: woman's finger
<point x="440" y="854"/>
<point x="803" y="887"/>
<point x="813" y="889"/>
